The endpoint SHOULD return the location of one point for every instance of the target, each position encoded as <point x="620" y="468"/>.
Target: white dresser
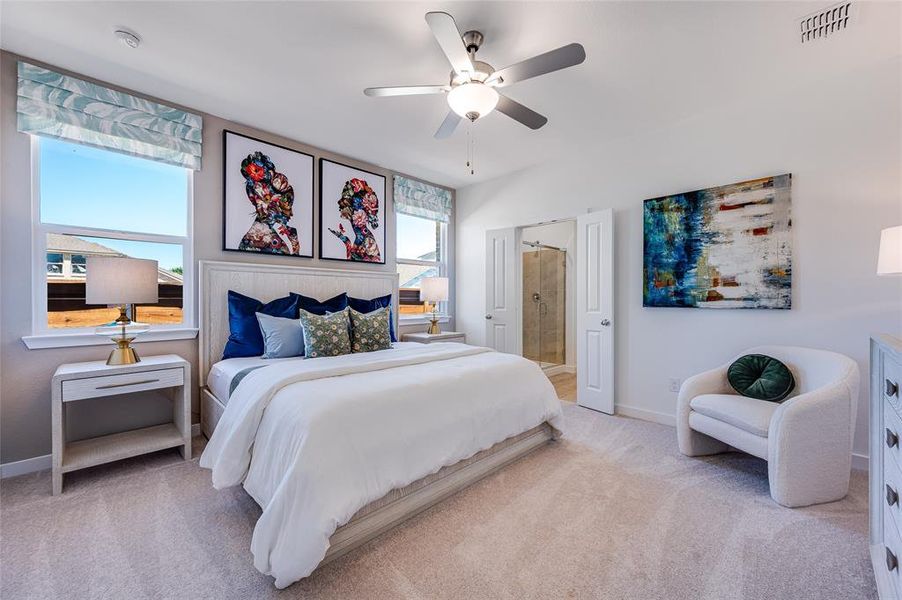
<point x="886" y="464"/>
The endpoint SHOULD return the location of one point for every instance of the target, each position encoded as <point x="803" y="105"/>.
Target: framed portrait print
<point x="267" y="197"/>
<point x="351" y="213"/>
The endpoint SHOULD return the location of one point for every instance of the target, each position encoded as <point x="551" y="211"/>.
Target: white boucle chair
<point x="806" y="440"/>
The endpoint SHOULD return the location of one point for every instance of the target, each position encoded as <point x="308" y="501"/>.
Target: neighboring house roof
<point x="69" y="244"/>
<point x="411" y="275"/>
<point x="164" y="276"/>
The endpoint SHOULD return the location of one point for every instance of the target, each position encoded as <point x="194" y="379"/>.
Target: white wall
<point x="563" y="236"/>
<point x="840" y="138"/>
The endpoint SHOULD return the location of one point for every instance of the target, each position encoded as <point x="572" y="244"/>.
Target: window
<point x="96" y="202"/>
<point x="421" y="253"/>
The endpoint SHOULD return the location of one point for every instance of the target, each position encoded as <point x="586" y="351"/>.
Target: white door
<point x="501" y="306"/>
<point x="595" y="311"/>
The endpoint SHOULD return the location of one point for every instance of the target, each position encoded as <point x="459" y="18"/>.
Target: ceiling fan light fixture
<point x="473" y="100"/>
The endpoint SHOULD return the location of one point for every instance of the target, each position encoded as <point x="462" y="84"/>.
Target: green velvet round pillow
<point x="762" y="377"/>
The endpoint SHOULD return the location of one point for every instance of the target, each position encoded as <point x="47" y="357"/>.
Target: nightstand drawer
<point x="110" y="385"/>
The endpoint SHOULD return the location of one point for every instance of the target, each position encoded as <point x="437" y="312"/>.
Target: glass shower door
<point x="544" y="281"/>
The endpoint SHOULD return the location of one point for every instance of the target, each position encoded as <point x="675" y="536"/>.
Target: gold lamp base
<point x="124" y="354"/>
<point x="433" y="327"/>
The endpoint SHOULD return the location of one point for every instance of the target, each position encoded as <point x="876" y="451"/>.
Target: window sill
<point x="419" y="319"/>
<point x="70" y="340"/>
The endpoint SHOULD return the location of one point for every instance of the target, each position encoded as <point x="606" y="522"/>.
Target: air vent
<point x="828" y="21"/>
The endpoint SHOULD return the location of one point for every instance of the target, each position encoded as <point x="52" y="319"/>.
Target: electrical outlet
<point x="675" y="385"/>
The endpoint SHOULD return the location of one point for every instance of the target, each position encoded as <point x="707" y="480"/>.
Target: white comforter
<point x="312" y="449"/>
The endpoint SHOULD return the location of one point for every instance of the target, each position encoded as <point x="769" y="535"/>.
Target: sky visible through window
<point x="87" y="187"/>
<point x="416" y="237"/>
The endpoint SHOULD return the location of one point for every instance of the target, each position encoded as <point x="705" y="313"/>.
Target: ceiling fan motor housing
<point x="483" y="71"/>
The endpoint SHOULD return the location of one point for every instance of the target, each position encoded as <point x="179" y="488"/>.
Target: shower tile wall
<point x="544" y="273"/>
<point x="531" y="279"/>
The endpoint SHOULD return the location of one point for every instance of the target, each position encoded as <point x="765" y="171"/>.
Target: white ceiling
<point x="298" y="69"/>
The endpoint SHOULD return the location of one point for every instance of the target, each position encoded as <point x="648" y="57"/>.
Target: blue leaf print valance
<point x="55" y="105"/>
<point x="420" y="199"/>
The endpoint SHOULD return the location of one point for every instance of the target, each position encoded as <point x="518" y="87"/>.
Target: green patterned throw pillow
<point x="370" y="331"/>
<point x="326" y="335"/>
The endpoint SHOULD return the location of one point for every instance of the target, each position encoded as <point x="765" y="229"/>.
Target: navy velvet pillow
<point x="311" y="305"/>
<point x="245" y="338"/>
<point x="365" y="306"/>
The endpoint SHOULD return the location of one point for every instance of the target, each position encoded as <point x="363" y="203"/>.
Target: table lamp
<point x="434" y="290"/>
<point x="889" y="261"/>
<point x="120" y="282"/>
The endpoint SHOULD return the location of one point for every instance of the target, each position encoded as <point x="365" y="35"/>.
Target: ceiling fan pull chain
<point x="469" y="125"/>
<point x="473" y="160"/>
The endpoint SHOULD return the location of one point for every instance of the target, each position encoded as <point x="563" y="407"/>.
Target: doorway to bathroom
<point x="579" y="262"/>
<point x="547" y="254"/>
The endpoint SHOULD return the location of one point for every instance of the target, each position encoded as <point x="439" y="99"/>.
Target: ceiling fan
<point x="473" y="87"/>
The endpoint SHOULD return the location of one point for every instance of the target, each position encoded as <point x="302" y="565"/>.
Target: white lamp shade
<point x="119" y="280"/>
<point x="889" y="262"/>
<point x="475" y="98"/>
<point x="434" y="289"/>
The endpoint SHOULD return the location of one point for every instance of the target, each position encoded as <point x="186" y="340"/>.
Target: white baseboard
<point x="860" y="462"/>
<point x="43" y="463"/>
<point x="23" y="467"/>
<point x="558" y="369"/>
<point x="645" y="414"/>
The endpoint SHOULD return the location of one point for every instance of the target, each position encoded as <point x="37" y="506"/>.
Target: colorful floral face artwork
<point x="268" y="198"/>
<point x="352" y="219"/>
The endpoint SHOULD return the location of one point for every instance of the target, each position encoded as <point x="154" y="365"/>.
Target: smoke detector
<point x="826" y="22"/>
<point x="128" y="38"/>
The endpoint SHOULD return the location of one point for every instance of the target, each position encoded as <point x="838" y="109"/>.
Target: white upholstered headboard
<point x="268" y="282"/>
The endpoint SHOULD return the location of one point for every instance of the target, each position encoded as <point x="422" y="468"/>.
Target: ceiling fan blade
<point x="448" y="36"/>
<point x="410" y="90"/>
<point x="448" y="125"/>
<point x="555" y="60"/>
<point x="518" y="112"/>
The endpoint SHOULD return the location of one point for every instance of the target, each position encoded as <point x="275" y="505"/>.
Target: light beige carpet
<point x="613" y="511"/>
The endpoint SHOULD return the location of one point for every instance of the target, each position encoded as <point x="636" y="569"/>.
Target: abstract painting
<point x="268" y="198"/>
<point x="723" y="247"/>
<point x="352" y="213"/>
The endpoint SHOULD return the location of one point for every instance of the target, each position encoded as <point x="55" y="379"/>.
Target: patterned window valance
<point x="59" y="106"/>
<point x="420" y="199"/>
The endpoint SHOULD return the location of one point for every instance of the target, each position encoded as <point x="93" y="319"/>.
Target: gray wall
<point x="25" y="374"/>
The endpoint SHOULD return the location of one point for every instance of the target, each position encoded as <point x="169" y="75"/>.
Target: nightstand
<point x="429" y="338"/>
<point x="81" y="381"/>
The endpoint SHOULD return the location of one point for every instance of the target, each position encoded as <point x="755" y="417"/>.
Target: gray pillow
<point x="282" y="338"/>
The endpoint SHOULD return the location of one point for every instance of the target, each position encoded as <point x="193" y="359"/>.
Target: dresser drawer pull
<point x="892" y="388"/>
<point x="892" y="496"/>
<point x="143" y="381"/>
<point x="891" y="439"/>
<point x="892" y="563"/>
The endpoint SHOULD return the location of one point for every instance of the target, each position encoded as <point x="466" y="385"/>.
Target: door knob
<point x="605" y="323"/>
<point x="488" y="317"/>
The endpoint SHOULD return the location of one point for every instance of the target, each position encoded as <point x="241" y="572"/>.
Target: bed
<point x="338" y="450"/>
